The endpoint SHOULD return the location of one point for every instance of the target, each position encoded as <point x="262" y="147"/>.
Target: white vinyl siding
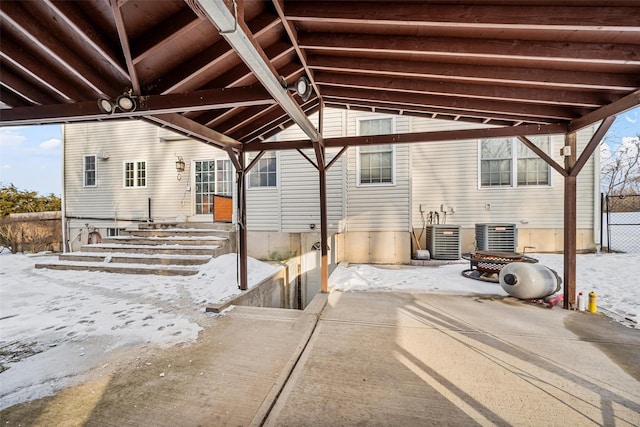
<point x="381" y="207"/>
<point x="263" y="205"/>
<point x="89" y="171"/>
<point x="447" y="173"/>
<point x="299" y="194"/>
<point x="125" y="141"/>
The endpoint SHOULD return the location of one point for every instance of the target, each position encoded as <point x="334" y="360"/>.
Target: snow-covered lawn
<point x="615" y="278"/>
<point x="55" y="324"/>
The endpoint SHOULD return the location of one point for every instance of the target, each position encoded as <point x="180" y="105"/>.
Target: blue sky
<point x="30" y="156"/>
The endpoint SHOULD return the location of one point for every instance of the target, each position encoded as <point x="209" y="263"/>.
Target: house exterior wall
<point x="369" y="223"/>
<point x="447" y="173"/>
<point x="109" y="204"/>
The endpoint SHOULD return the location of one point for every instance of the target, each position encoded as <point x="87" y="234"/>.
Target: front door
<point x="212" y="178"/>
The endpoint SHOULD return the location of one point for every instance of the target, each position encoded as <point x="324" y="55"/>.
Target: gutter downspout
<point x="597" y="203"/>
<point x="63" y="198"/>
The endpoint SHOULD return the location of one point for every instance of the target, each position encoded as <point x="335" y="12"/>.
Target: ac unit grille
<point x="497" y="237"/>
<point x="443" y="241"/>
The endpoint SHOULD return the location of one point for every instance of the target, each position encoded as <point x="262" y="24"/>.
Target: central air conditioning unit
<point x="443" y="241"/>
<point x="497" y="237"/>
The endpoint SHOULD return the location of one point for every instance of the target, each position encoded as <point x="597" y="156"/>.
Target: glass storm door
<point x="212" y="177"/>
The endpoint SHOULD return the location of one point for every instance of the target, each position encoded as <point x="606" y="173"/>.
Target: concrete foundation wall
<point x="281" y="290"/>
<point x="377" y="247"/>
<point x="273" y="245"/>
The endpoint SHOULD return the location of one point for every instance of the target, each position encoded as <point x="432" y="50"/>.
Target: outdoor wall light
<point x="180" y="166"/>
<point x="302" y="87"/>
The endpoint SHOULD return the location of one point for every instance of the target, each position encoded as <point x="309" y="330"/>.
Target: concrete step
<point x="168" y="270"/>
<point x="166" y="249"/>
<point x="187" y="225"/>
<point x="178" y="232"/>
<point x="123" y="258"/>
<point x="166" y="240"/>
<point x="211" y="250"/>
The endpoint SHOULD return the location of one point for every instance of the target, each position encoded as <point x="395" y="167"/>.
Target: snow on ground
<point x="615" y="278"/>
<point x="55" y="325"/>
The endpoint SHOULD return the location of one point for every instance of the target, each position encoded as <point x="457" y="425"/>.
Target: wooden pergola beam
<point x="517" y="17"/>
<point x="483" y="74"/>
<point x="461" y="105"/>
<point x="415" y="137"/>
<point x="630" y="101"/>
<point x="545" y="52"/>
<point x="542" y="96"/>
<point x="194" y="130"/>
<point x="146" y="105"/>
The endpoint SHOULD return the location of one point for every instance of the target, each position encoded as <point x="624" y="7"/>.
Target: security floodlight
<point x="106" y="106"/>
<point x="302" y="87"/>
<point x="126" y="103"/>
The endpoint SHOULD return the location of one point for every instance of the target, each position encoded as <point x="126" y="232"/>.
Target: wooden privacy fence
<point x="32" y="232"/>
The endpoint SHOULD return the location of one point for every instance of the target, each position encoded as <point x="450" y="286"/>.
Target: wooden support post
<point x="570" y="226"/>
<point x="242" y="223"/>
<point x="324" y="224"/>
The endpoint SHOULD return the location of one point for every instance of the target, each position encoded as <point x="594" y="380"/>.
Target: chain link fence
<point x="621" y="217"/>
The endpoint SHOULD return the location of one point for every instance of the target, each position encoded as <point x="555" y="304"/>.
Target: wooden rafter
<point x="36" y="33"/>
<point x="465" y="90"/>
<point x="463" y="106"/>
<point x="126" y="49"/>
<point x="543" y="52"/>
<point x="482" y="74"/>
<point x="517" y="17"/>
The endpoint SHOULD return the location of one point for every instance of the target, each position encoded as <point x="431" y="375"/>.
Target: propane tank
<point x="582" y="303"/>
<point x="593" y="302"/>
<point x="529" y="281"/>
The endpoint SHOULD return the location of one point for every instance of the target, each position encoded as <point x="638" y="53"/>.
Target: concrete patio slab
<point x="367" y="358"/>
<point x="403" y="359"/>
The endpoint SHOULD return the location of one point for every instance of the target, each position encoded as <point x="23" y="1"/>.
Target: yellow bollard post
<point x="593" y="302"/>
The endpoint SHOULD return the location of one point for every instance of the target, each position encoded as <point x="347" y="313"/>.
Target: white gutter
<point x="235" y="33"/>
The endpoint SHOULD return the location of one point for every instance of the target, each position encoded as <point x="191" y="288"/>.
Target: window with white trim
<point x="376" y="163"/>
<point x="265" y="172"/>
<point x="135" y="174"/>
<point x="507" y="162"/>
<point x="89" y="171"/>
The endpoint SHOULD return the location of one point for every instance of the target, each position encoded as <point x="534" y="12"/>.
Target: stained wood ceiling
<point x="538" y="63"/>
